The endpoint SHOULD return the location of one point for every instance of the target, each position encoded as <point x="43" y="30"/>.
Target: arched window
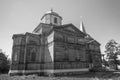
<point x="15" y="57"/>
<point x="16" y="53"/>
<point x="55" y="20"/>
<point x="33" y="56"/>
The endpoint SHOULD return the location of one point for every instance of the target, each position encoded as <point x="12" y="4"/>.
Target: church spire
<point x="82" y="28"/>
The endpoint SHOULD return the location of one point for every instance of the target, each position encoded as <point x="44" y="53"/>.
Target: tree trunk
<point x="116" y="66"/>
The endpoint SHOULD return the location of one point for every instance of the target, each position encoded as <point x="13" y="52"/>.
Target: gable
<point x="72" y="29"/>
<point x="95" y="43"/>
<point x="38" y="28"/>
<point x="41" y="28"/>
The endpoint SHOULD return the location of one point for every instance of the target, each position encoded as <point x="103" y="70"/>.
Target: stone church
<point x="54" y="47"/>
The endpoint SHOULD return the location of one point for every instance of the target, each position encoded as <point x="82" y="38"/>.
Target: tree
<point x="112" y="52"/>
<point x="4" y="63"/>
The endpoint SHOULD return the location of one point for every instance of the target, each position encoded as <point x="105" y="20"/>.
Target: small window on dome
<point x="55" y="20"/>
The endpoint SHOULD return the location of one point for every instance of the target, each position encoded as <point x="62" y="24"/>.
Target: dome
<point x="51" y="12"/>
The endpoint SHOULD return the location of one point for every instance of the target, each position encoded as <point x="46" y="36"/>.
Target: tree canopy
<point x="112" y="52"/>
<point x="4" y="63"/>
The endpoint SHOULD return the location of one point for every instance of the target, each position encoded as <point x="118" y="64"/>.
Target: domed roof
<point x="51" y="12"/>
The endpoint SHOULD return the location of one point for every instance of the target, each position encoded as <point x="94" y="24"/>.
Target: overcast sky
<point x="101" y="18"/>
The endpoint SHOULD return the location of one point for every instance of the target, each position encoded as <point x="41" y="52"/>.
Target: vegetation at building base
<point x="4" y="63"/>
<point x="112" y="52"/>
<point x="84" y="76"/>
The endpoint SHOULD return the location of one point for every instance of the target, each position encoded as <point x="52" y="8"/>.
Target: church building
<point x="54" y="48"/>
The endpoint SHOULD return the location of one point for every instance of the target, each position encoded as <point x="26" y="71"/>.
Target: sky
<point x="101" y="18"/>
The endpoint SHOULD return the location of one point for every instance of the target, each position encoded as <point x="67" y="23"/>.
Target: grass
<point x="85" y="76"/>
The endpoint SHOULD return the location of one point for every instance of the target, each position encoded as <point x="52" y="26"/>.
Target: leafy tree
<point x="4" y="63"/>
<point x="112" y="52"/>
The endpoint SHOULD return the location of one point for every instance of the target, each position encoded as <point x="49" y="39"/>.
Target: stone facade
<point x="53" y="48"/>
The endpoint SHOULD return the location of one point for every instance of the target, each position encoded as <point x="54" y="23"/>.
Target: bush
<point x="98" y="69"/>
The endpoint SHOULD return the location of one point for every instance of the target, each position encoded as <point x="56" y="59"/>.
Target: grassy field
<point x="85" y="76"/>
